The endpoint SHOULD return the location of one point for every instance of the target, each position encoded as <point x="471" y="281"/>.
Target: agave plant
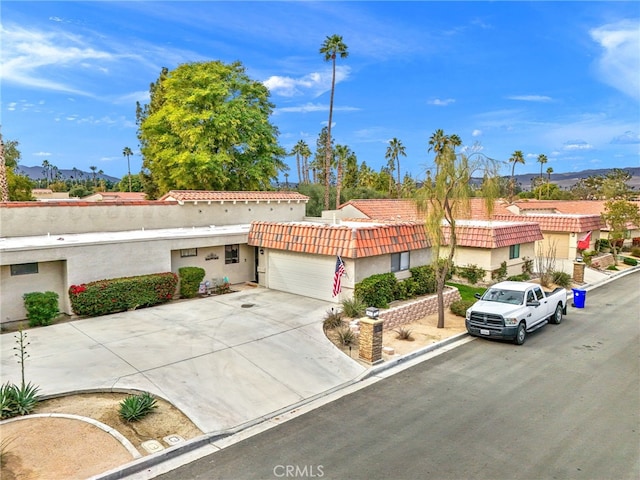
<point x="346" y="336"/>
<point x="136" y="407"/>
<point x="16" y="400"/>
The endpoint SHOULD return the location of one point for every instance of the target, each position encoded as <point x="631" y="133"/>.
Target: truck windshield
<point x="503" y="296"/>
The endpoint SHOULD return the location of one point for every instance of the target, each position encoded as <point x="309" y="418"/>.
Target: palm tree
<point x="549" y="172"/>
<point x="305" y="153"/>
<point x="45" y="170"/>
<point x="299" y="150"/>
<point x="394" y="150"/>
<point x="517" y="157"/>
<point x="442" y="145"/>
<point x="343" y="153"/>
<point x="331" y="48"/>
<point x="126" y="151"/>
<point x="93" y="169"/>
<point x="542" y="158"/>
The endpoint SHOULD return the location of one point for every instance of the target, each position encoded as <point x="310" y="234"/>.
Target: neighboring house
<point x="488" y="243"/>
<point x="115" y="197"/>
<point x="49" y="246"/>
<point x="480" y="242"/>
<point x="562" y="232"/>
<point x="574" y="207"/>
<point x="300" y="257"/>
<point x="44" y="194"/>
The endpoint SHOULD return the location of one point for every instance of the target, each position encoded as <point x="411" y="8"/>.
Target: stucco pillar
<point x="370" y="340"/>
<point x="578" y="272"/>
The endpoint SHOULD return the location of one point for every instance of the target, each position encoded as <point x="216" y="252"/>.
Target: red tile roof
<point x="491" y="234"/>
<point x="387" y="209"/>
<point x="111" y="196"/>
<point x="81" y="203"/>
<point x="351" y="241"/>
<point x="204" y="195"/>
<point x="559" y="222"/>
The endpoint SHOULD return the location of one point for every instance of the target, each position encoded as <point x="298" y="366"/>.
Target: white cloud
<point x="627" y="138"/>
<point x="619" y="63"/>
<point x="577" y="145"/>
<point x="314" y="107"/>
<point x="42" y="154"/>
<point x="530" y="98"/>
<point x="11" y="106"/>
<point x="476" y="133"/>
<point x="440" y="102"/>
<point x="315" y="83"/>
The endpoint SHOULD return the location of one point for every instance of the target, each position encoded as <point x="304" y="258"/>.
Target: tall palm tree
<point x="442" y="145"/>
<point x="93" y="169"/>
<point x="343" y="152"/>
<point x="331" y="48"/>
<point x="549" y="172"/>
<point x="299" y="150"/>
<point x="394" y="150"/>
<point x="305" y="153"/>
<point x="46" y="166"/>
<point x="517" y="157"/>
<point x="126" y="151"/>
<point x="542" y="158"/>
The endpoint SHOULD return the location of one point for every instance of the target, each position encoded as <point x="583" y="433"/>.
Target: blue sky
<point x="559" y="78"/>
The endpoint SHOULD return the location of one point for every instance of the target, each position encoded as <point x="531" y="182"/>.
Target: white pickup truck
<point x="510" y="310"/>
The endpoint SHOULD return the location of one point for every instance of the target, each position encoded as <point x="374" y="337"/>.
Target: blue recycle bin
<point x="579" y="296"/>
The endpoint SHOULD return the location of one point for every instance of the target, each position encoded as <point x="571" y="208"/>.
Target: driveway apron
<point x="223" y="360"/>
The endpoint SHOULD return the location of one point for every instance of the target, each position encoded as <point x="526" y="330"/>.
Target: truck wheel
<point x="521" y="335"/>
<point x="556" y="318"/>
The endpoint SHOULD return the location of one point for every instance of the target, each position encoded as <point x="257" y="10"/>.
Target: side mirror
<point x="477" y="295"/>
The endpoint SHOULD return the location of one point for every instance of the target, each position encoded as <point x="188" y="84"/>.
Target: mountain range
<point x="563" y="180"/>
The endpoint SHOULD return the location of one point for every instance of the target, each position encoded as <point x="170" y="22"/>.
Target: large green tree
<point x="15" y="187"/>
<point x="444" y="197"/>
<point x="619" y="214"/>
<point x="207" y="128"/>
<point x="331" y="48"/>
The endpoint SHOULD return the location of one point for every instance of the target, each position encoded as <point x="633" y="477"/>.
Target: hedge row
<point x="381" y="289"/>
<point x="120" y="294"/>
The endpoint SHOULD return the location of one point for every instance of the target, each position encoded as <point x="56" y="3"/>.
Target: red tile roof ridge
<point x="196" y="195"/>
<point x="84" y="203"/>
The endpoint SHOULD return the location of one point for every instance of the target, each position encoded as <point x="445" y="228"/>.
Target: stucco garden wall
<point x="412" y="310"/>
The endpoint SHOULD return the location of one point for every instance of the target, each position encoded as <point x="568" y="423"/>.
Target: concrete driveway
<point x="223" y="360"/>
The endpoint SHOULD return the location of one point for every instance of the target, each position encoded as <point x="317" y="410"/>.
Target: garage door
<point x="302" y="274"/>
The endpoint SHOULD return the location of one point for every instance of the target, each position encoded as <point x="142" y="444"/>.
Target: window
<point x="232" y="253"/>
<point x="538" y="292"/>
<point x="399" y="261"/>
<point x="189" y="252"/>
<point x="514" y="251"/>
<point x="24" y="269"/>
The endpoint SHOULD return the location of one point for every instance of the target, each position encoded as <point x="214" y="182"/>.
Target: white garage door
<point x="302" y="274"/>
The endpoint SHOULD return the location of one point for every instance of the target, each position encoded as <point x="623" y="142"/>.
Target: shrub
<point x="612" y="267"/>
<point x="404" y="334"/>
<point x="629" y="261"/>
<point x="459" y="307"/>
<point x="527" y="266"/>
<point x="42" y="307"/>
<point x="346" y="336"/>
<point x="332" y="319"/>
<point x="635" y="251"/>
<point x="500" y="274"/>
<point x="136" y="407"/>
<point x="18" y="400"/>
<point x="353" y="308"/>
<point x="377" y="290"/>
<point x="120" y="294"/>
<point x="473" y="273"/>
<point x="190" y="278"/>
<point x="423" y="279"/>
<point x="523" y="277"/>
<point x="561" y="279"/>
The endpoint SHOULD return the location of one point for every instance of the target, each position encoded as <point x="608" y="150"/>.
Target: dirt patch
<point x="424" y="332"/>
<point x="61" y="448"/>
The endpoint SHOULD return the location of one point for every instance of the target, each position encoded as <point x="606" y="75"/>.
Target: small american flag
<point x="337" y="276"/>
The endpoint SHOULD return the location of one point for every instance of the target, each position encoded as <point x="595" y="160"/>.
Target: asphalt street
<point x="566" y="405"/>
